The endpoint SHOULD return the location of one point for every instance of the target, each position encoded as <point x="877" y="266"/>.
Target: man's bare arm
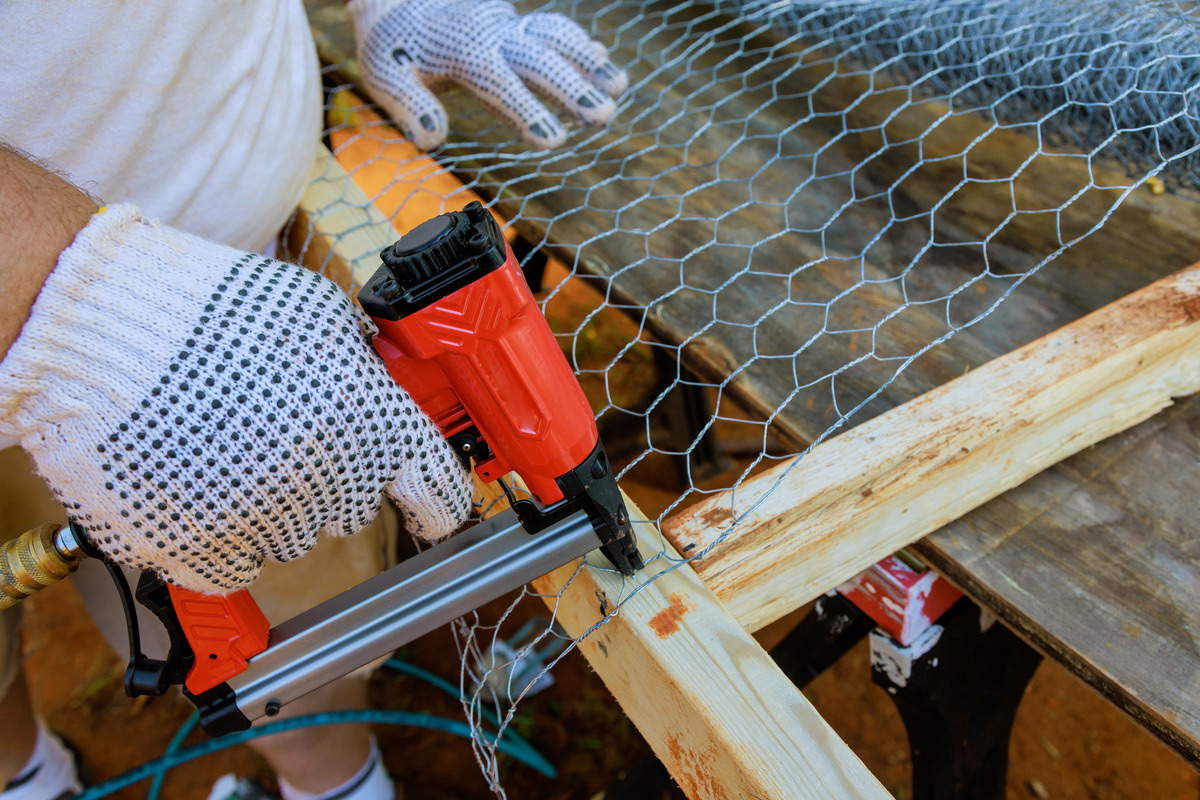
<point x="40" y="213"/>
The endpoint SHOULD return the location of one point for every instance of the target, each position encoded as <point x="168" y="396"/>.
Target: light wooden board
<point x="806" y="526"/>
<point x="335" y="230"/>
<point x="715" y="708"/>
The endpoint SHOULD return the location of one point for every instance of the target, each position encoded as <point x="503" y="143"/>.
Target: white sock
<point x="49" y="773"/>
<point x="369" y="783"/>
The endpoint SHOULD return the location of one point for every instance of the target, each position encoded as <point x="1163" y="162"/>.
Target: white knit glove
<point x="197" y="408"/>
<point x="407" y="48"/>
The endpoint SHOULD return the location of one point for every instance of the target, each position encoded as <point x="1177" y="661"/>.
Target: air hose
<point x="510" y="744"/>
<point x="369" y="716"/>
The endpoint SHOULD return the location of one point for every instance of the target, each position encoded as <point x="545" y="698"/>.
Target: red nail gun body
<point x="487" y="346"/>
<point x="460" y="330"/>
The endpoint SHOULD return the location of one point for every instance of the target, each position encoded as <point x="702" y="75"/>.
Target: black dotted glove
<point x="198" y="409"/>
<point x="409" y="48"/>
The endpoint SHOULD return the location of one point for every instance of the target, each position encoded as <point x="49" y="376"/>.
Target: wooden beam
<point x="712" y="704"/>
<point x="335" y="230"/>
<point x="800" y="529"/>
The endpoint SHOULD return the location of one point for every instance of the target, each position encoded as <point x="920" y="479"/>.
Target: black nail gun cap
<point x="434" y="259"/>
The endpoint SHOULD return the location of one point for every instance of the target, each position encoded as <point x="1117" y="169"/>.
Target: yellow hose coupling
<point x="36" y="559"/>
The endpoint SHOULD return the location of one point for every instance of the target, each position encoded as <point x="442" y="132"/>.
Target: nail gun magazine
<point x="459" y="329"/>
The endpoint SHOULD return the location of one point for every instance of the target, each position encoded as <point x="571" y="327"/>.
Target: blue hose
<point x="511" y="742"/>
<point x="531" y="757"/>
<point x="176" y="743"/>
<point x="370" y="716"/>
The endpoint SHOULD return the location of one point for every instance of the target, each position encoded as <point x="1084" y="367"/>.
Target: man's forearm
<point x="40" y="213"/>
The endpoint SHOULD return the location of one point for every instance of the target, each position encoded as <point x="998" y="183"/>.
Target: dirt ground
<point x="1069" y="743"/>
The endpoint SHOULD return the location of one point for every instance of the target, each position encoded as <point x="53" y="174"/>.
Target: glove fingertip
<point x="424" y="127"/>
<point x="433" y="511"/>
<point x="606" y="74"/>
<point x="546" y="133"/>
<point x="428" y="532"/>
<point x="428" y="129"/>
<point x="595" y="108"/>
<point x="415" y="110"/>
<point x="427" y="522"/>
<point x="611" y="78"/>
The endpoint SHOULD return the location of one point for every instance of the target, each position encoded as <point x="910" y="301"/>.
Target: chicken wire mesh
<point x="795" y="203"/>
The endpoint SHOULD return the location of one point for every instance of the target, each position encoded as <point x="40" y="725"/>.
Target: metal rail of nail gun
<point x="383" y="613"/>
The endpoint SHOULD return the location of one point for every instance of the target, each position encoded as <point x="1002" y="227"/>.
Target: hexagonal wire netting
<point x="795" y="202"/>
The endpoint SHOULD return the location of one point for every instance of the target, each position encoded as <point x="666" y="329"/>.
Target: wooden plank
<point x="335" y="230"/>
<point x="716" y="709"/>
<point x="800" y="529"/>
<point x="1097" y="562"/>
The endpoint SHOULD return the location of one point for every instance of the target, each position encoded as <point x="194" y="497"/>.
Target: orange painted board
<point x="405" y="184"/>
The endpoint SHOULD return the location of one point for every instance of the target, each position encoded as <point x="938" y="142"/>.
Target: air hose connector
<point x="36" y="559"/>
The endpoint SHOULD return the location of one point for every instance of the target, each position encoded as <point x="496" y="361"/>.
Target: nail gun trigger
<point x="145" y="675"/>
<point x="153" y="594"/>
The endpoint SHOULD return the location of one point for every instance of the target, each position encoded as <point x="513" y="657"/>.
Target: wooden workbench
<point x="1095" y="561"/>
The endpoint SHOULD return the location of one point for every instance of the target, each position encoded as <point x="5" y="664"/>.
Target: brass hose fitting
<point x="36" y="559"/>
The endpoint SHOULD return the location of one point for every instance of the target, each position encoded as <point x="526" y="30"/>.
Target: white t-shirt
<point x="205" y="114"/>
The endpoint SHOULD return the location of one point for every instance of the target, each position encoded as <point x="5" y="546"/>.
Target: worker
<point x="201" y="409"/>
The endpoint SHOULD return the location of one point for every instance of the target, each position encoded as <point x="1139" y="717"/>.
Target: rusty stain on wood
<point x="717" y="519"/>
<point x="666" y="622"/>
<point x="689" y="771"/>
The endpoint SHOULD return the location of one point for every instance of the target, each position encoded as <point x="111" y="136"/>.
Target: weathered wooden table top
<point x="1096" y="561"/>
<point x="764" y="229"/>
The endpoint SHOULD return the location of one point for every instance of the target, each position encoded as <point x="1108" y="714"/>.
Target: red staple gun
<point x="460" y="330"/>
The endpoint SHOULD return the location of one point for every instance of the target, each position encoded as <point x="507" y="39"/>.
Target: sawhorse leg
<point x="824" y="635"/>
<point x="957" y="689"/>
<point x="957" y="685"/>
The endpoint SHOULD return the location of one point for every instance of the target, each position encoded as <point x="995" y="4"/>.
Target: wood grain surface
<point x="1097" y="563"/>
<point x="708" y="699"/>
<point x="796" y="531"/>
